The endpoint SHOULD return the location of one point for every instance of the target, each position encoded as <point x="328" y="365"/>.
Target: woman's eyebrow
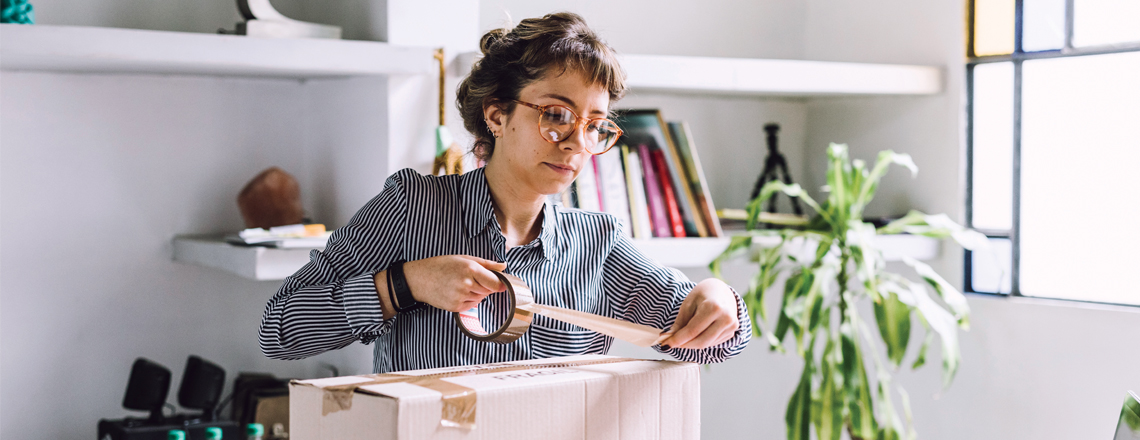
<point x="571" y="102"/>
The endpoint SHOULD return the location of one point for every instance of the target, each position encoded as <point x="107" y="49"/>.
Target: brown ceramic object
<point x="273" y="198"/>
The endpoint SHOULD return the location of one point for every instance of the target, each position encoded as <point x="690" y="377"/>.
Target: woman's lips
<point x="560" y="168"/>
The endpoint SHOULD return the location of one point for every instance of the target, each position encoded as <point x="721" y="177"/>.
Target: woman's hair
<point x="515" y="58"/>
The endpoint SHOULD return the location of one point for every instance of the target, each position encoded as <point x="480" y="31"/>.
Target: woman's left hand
<point x="707" y="317"/>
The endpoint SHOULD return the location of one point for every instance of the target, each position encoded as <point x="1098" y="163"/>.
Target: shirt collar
<point x="475" y="196"/>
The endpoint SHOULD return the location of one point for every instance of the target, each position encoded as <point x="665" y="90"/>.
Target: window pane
<point x="1097" y="22"/>
<point x="990" y="270"/>
<point x="993" y="27"/>
<point x="1043" y="25"/>
<point x="993" y="147"/>
<point x="1080" y="190"/>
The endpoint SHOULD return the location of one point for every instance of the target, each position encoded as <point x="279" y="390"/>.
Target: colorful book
<point x="667" y="194"/>
<point x="696" y="175"/>
<point x="635" y="185"/>
<point x="611" y="179"/>
<point x="661" y="225"/>
<point x="647" y="126"/>
<point x="586" y="188"/>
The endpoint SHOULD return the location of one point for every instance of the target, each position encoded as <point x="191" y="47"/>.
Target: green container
<point x="213" y="433"/>
<point x="254" y="431"/>
<point x="176" y="434"/>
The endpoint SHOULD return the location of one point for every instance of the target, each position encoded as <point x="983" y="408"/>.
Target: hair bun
<point x="491" y="39"/>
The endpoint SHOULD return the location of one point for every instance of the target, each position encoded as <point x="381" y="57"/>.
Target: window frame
<point x="1017" y="58"/>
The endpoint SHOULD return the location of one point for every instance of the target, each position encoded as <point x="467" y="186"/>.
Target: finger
<point x="490" y="265"/>
<point x="697" y="325"/>
<point x="710" y="336"/>
<point x="488" y="282"/>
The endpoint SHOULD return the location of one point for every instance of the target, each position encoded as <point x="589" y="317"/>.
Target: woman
<point x="426" y="246"/>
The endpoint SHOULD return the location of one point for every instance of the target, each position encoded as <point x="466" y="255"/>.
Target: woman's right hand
<point x="453" y="282"/>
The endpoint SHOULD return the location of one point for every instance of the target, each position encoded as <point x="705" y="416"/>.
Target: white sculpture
<point x="264" y="21"/>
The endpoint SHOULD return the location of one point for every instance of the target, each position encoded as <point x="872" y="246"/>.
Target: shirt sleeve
<point x="648" y="293"/>
<point x="331" y="301"/>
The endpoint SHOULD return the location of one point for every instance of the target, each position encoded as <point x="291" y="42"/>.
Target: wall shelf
<point x="131" y="51"/>
<point x="262" y="263"/>
<point x="768" y="77"/>
<point x="893" y="247"/>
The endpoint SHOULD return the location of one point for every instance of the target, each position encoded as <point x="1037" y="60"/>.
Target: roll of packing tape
<point x="522" y="307"/>
<point x="513" y="327"/>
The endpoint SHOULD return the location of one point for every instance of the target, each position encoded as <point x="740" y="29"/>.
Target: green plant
<point x="829" y="264"/>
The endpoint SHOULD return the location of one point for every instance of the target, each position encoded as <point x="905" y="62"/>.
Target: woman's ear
<point x="495" y="118"/>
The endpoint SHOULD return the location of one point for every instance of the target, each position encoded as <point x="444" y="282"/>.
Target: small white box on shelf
<point x="577" y="397"/>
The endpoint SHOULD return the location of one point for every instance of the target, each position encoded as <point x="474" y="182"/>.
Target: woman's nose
<point x="576" y="142"/>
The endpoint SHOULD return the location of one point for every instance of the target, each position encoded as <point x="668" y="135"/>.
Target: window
<point x="1053" y="148"/>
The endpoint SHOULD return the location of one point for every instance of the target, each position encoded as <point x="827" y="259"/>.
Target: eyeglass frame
<point x="542" y="109"/>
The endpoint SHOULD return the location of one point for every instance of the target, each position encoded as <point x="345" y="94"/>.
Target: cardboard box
<point x="579" y="397"/>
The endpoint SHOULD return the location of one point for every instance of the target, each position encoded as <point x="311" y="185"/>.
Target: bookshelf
<point x="115" y="51"/>
<point x="80" y="49"/>
<point x="769" y="77"/>
<point x="268" y="264"/>
<point x="265" y="264"/>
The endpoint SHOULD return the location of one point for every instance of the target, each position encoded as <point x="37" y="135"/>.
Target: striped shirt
<point x="581" y="260"/>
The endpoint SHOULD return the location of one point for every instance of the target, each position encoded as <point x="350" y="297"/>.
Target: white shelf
<point x="112" y="50"/>
<point x="253" y="262"/>
<point x="261" y="263"/>
<point x="767" y="77"/>
<point x="682" y="252"/>
<point x="893" y="247"/>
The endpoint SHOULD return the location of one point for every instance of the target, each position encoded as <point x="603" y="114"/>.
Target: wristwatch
<point x="398" y="291"/>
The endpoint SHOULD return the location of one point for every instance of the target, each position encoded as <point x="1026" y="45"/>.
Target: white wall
<point x="92" y="196"/>
<point x="99" y="172"/>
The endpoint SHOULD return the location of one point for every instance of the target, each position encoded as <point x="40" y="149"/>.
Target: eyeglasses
<point x="557" y="122"/>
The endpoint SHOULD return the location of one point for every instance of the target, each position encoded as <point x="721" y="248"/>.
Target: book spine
<point x="661" y="226"/>
<point x="635" y="184"/>
<point x="586" y="186"/>
<point x="688" y="152"/>
<point x="686" y="204"/>
<point x="598" y="183"/>
<point x="613" y="184"/>
<point x="667" y="194"/>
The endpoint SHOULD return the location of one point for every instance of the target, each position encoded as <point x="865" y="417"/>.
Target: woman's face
<point x="532" y="163"/>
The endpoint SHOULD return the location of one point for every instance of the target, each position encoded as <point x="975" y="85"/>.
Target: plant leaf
<point x="798" y="414"/>
<point x="943" y="323"/>
<point x="736" y="245"/>
<point x="926" y="340"/>
<point x="893" y="318"/>
<point x="871" y="183"/>
<point x="911" y="434"/>
<point x="859" y="409"/>
<point x="838" y="200"/>
<point x="829" y="424"/>
<point x="950" y="295"/>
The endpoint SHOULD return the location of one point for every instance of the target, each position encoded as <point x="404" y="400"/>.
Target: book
<point x="661" y="225"/>
<point x="696" y="176"/>
<point x="648" y="127"/>
<point x="612" y="183"/>
<point x="635" y="187"/>
<point x="667" y="194"/>
<point x="586" y="188"/>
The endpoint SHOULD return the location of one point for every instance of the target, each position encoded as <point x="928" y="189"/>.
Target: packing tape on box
<point x="523" y="307"/>
<point x="458" y="401"/>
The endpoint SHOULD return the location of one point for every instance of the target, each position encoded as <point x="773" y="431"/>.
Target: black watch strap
<point x="399" y="290"/>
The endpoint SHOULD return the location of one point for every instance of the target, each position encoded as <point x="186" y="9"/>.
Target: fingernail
<point x="666" y="347"/>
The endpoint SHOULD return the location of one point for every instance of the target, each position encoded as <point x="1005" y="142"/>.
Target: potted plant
<point x="828" y="264"/>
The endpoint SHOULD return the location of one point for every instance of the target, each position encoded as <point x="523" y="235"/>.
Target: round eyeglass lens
<point x="601" y="134"/>
<point x="556" y="123"/>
